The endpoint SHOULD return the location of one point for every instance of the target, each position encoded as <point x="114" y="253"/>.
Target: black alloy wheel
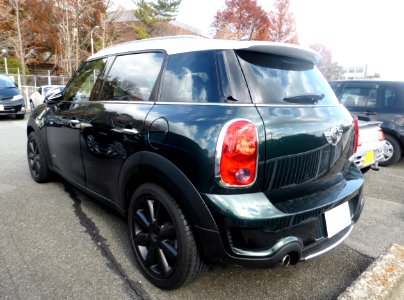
<point x="162" y="239"/>
<point x="36" y="160"/>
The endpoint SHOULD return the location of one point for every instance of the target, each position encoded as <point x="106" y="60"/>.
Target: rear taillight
<point x="356" y="125"/>
<point x="237" y="153"/>
<point x="381" y="135"/>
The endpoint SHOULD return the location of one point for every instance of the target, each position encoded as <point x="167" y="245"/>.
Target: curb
<point x="383" y="279"/>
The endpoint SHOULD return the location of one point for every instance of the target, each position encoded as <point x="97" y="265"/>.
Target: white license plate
<point x="1" y="107"/>
<point x="337" y="219"/>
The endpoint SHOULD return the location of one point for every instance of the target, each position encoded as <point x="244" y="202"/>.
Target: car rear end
<point x="289" y="191"/>
<point x="371" y="145"/>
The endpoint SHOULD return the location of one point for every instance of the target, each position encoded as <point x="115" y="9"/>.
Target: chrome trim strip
<point x="330" y="247"/>
<point x="244" y="104"/>
<point x="275" y="248"/>
<point x="210" y="104"/>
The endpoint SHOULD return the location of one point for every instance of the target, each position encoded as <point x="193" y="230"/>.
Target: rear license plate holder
<point x="337" y="219"/>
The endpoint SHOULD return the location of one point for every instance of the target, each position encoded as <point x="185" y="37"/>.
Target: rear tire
<point x="392" y="151"/>
<point x="37" y="163"/>
<point x="162" y="239"/>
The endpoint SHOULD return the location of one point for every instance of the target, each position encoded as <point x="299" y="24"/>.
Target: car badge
<point x="333" y="136"/>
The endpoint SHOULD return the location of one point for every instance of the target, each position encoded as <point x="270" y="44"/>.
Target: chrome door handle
<point x="130" y="131"/>
<point x="74" y="123"/>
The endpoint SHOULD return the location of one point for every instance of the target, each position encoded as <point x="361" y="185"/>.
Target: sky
<point x="358" y="32"/>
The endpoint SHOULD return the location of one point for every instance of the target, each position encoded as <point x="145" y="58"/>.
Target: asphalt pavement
<point x="55" y="242"/>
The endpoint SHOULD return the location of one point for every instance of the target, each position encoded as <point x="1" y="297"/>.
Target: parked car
<point x="11" y="100"/>
<point x="37" y="98"/>
<point x="377" y="100"/>
<point x="371" y="146"/>
<point x="215" y="151"/>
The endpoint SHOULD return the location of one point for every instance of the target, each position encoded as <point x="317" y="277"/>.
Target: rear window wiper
<point x="305" y="98"/>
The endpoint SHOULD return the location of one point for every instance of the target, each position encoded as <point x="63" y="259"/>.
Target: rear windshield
<point x="5" y="82"/>
<point x="274" y="79"/>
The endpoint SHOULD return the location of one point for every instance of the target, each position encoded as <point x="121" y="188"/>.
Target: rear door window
<point x="275" y="79"/>
<point x="132" y="77"/>
<point x="190" y="77"/>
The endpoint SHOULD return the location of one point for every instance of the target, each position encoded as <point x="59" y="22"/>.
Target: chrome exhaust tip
<point x="285" y="261"/>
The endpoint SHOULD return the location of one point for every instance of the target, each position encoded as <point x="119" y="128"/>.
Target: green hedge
<point x="13" y="65"/>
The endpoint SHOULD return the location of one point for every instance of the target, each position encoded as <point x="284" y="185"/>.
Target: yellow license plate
<point x="369" y="158"/>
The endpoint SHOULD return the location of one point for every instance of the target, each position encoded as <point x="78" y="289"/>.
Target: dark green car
<point x="215" y="151"/>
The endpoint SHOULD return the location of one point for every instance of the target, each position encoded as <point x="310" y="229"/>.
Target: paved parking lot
<point x="57" y="243"/>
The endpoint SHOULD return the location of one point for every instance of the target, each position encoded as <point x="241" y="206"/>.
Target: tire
<point x="162" y="239"/>
<point x="37" y="164"/>
<point x="392" y="151"/>
<point x="19" y="117"/>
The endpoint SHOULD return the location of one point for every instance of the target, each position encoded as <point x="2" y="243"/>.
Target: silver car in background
<point x="371" y="146"/>
<point x="38" y="97"/>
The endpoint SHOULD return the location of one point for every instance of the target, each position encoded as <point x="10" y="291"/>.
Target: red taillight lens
<point x="356" y="124"/>
<point x="359" y="141"/>
<point x="381" y="135"/>
<point x="239" y="154"/>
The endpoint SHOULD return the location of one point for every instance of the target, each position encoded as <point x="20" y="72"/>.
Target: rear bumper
<point x="361" y="156"/>
<point x="254" y="233"/>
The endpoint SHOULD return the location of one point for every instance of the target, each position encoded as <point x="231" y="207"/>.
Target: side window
<point x="190" y="77"/>
<point x="359" y="96"/>
<point x="389" y="97"/>
<point x="132" y="77"/>
<point x="81" y="88"/>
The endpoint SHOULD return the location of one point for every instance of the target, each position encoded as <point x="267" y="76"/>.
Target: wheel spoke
<point x="141" y="239"/>
<point x="36" y="166"/>
<point x="167" y="231"/>
<point x="170" y="252"/>
<point x="32" y="148"/>
<point x="151" y="256"/>
<point x="150" y="206"/>
<point x="141" y="220"/>
<point x="165" y="268"/>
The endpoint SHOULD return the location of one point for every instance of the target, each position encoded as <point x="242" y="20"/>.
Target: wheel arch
<point x="144" y="167"/>
<point x="393" y="134"/>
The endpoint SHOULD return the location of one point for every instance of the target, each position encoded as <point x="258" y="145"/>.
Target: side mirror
<point x="54" y="96"/>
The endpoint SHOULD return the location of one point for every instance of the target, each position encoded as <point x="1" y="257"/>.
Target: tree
<point x="282" y="25"/>
<point x="240" y="19"/>
<point x="331" y="70"/>
<point x="11" y="15"/>
<point x="153" y="15"/>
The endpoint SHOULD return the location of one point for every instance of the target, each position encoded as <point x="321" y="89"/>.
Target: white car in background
<point x="371" y="146"/>
<point x="38" y="97"/>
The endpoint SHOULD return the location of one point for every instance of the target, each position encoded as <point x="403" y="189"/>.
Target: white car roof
<point x="182" y="44"/>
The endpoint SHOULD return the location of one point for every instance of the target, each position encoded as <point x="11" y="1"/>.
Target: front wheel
<point x="392" y="151"/>
<point x="36" y="159"/>
<point x="162" y="239"/>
